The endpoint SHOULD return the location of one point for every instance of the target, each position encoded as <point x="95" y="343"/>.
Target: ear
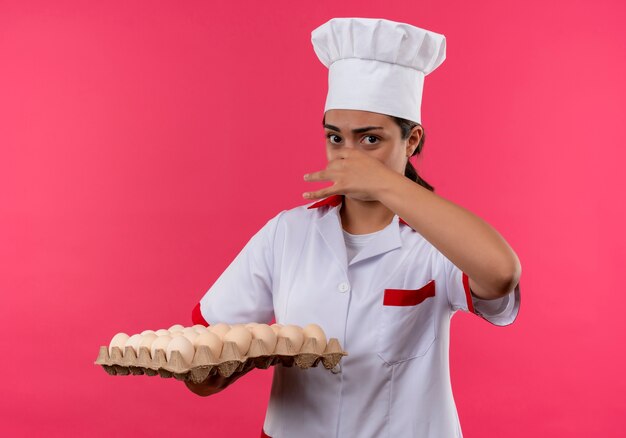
<point x="414" y="139"/>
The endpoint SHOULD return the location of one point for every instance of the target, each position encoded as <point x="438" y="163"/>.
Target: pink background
<point x="143" y="143"/>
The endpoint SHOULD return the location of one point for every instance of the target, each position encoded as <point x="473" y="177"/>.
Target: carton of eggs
<point x="192" y="353"/>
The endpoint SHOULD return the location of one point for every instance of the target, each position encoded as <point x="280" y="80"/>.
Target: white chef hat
<point x="377" y="65"/>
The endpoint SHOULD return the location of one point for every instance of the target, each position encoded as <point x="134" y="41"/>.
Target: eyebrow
<point x="355" y="131"/>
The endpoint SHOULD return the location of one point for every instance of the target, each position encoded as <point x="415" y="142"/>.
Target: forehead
<point x="357" y="118"/>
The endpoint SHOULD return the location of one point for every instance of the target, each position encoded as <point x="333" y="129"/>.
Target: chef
<point x="379" y="261"/>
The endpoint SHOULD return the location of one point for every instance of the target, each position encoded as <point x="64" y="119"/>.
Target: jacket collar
<point x="335" y="200"/>
<point x="329" y="226"/>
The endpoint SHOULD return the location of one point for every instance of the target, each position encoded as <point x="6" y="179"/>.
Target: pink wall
<point x="143" y="143"/>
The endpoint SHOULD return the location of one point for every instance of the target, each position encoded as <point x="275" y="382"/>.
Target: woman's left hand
<point x="354" y="173"/>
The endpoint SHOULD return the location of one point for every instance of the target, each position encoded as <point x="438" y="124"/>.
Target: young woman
<point x="378" y="259"/>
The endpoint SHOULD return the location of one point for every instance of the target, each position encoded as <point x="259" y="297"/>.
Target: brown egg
<point x="265" y="333"/>
<point x="211" y="340"/>
<point x="315" y="331"/>
<point x="240" y="335"/>
<point x="294" y="334"/>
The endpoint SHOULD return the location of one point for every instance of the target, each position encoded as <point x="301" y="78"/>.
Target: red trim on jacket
<point x="409" y="297"/>
<point x="468" y="293"/>
<point x="333" y="201"/>
<point x="402" y="221"/>
<point x="264" y="435"/>
<point x="196" y="316"/>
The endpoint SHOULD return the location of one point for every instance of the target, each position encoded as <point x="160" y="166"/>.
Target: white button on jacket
<point x="390" y="309"/>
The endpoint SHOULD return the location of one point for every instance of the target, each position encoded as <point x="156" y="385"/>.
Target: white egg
<point x="133" y="342"/>
<point x="147" y="340"/>
<point x="119" y="340"/>
<point x="159" y="343"/>
<point x="191" y="335"/>
<point x="276" y="327"/>
<point x="175" y="334"/>
<point x="251" y="325"/>
<point x="145" y="332"/>
<point x="219" y="329"/>
<point x="294" y="334"/>
<point x="176" y="328"/>
<point x="162" y="332"/>
<point x="265" y="333"/>
<point x="182" y="345"/>
<point x="211" y="340"/>
<point x="199" y="327"/>
<point x="241" y="336"/>
<point x="315" y="331"/>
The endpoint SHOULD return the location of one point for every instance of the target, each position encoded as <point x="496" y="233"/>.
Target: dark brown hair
<point x="406" y="126"/>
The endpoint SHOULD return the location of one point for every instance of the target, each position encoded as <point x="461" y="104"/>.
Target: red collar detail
<point x="402" y="221"/>
<point x="333" y="201"/>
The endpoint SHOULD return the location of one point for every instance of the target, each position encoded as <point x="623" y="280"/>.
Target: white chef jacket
<point x="389" y="307"/>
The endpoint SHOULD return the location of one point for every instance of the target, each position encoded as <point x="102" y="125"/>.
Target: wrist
<point x="390" y="186"/>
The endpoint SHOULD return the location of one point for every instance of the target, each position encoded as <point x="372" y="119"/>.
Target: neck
<point x="364" y="217"/>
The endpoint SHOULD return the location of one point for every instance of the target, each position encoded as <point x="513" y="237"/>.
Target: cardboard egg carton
<point x="204" y="363"/>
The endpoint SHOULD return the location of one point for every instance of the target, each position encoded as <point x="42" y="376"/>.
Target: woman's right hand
<point x="215" y="383"/>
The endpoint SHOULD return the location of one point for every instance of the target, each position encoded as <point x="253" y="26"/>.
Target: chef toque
<point x="377" y="65"/>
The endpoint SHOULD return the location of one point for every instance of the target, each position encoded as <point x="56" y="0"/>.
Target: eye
<point x="373" y="139"/>
<point x="331" y="136"/>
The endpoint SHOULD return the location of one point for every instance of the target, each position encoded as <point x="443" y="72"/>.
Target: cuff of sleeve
<point x="196" y="316"/>
<point x="501" y="312"/>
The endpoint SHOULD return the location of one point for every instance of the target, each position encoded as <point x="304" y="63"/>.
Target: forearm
<point x="202" y="389"/>
<point x="464" y="238"/>
<point x="215" y="383"/>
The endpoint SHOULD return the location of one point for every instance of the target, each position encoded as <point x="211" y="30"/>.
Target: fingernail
<point x="306" y="176"/>
<point x="306" y="195"/>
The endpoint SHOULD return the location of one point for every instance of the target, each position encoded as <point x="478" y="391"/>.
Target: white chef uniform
<point x="390" y="304"/>
<point x="389" y="307"/>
